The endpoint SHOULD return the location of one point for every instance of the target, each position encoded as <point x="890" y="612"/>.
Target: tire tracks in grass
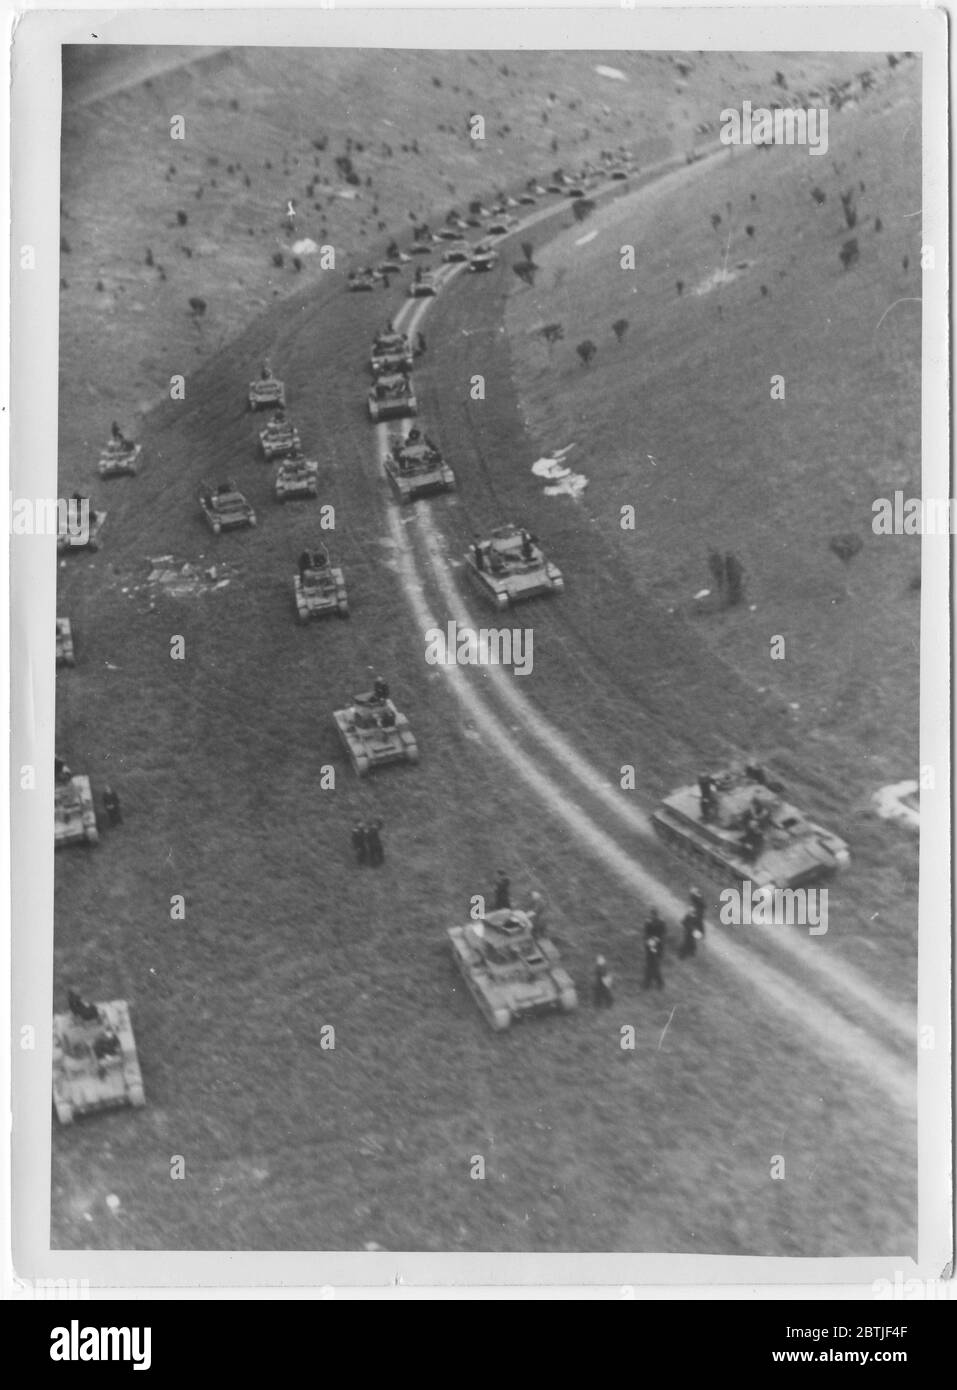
<point x="847" y="989"/>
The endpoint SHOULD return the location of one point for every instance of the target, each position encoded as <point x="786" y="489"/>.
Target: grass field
<point x="218" y="757"/>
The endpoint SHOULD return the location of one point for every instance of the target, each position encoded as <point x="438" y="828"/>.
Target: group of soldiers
<point x="367" y="843"/>
<point x="692" y="927"/>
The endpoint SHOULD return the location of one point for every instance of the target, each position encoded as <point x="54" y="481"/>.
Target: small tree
<point x="198" y="306"/>
<point x="582" y="208"/>
<point x="586" y="351"/>
<point x="552" y="333"/>
<point x="620" y="328"/>
<point x="525" y="272"/>
<point x="850" y="251"/>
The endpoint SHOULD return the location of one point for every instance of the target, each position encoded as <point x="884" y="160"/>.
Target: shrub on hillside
<point x="586" y="351"/>
<point x="198" y="306"/>
<point x="620" y="328"/>
<point x="850" y="253"/>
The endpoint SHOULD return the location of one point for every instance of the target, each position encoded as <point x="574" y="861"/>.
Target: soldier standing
<point x="111" y="803"/>
<point x="692" y="924"/>
<point x="601" y="988"/>
<point x="654" y="950"/>
<point x="374" y="841"/>
<point x="359" y="843"/>
<point x="602" y="996"/>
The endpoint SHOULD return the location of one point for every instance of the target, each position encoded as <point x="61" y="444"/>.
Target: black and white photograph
<point x="496" y="496"/>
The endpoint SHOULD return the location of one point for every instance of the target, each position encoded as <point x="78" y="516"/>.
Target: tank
<point x="744" y="828"/>
<point x="416" y="468"/>
<point x="391" y="353"/>
<point x="501" y="226"/>
<point x="296" y="478"/>
<point x="320" y="588"/>
<point x="375" y="733"/>
<point x="513" y="567"/>
<point x="74" y="815"/>
<point x="76" y="538"/>
<point x="267" y="393"/>
<point x="118" y="458"/>
<point x="363" y="279"/>
<point x="483" y="260"/>
<point x="392" y="397"/>
<point x="511" y="973"/>
<point x="457" y="252"/>
<point x="95" y="1066"/>
<point x="279" y="439"/>
<point x="226" y="508"/>
<point x="64" y="643"/>
<point x="423" y="286"/>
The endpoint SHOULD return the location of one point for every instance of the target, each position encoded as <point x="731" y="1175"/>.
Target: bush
<point x="582" y="208"/>
<point x="620" y="328"/>
<point x="586" y="351"/>
<point x="198" y="306"/>
<point x="850" y="252"/>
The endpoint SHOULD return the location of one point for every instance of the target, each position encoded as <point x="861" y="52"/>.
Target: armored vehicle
<point x="510" y="565"/>
<point x="266" y="393"/>
<point x="483" y="259"/>
<point x="362" y="279"/>
<point x="320" y="587"/>
<point x="456" y="253"/>
<point x="95" y="1066"/>
<point x="423" y="285"/>
<point x="82" y="526"/>
<point x="118" y="458"/>
<point x="501" y="226"/>
<point x="279" y="438"/>
<point x="450" y="232"/>
<point x="391" y="397"/>
<point x="74" y="815"/>
<point x="375" y="733"/>
<point x="391" y="353"/>
<point x="64" y="643"/>
<point x="226" y="508"/>
<point x="737" y="822"/>
<point x="416" y="468"/>
<point x="296" y="477"/>
<point x="511" y="973"/>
